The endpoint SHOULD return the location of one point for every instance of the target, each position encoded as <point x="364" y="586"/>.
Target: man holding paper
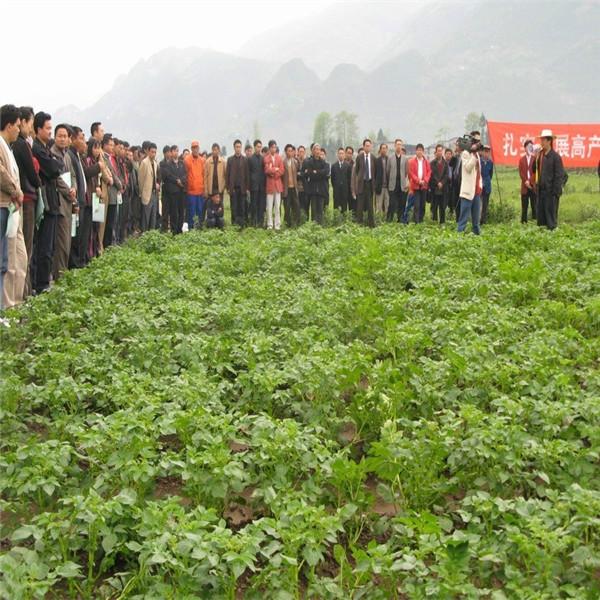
<point x="67" y="194"/>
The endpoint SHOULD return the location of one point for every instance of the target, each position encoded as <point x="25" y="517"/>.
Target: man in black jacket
<point x="30" y="184"/>
<point x="364" y="176"/>
<point x="315" y="173"/>
<point x="550" y="181"/>
<point x="437" y="185"/>
<point x="258" y="198"/>
<point x="50" y="170"/>
<point x="340" y="181"/>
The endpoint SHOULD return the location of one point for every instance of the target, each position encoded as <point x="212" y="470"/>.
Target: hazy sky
<point x="70" y="52"/>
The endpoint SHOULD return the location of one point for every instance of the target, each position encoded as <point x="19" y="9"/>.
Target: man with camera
<point x="471" y="181"/>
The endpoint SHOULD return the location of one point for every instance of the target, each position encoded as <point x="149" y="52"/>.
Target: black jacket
<point x="340" y="178"/>
<point x="256" y="171"/>
<point x="50" y="170"/>
<point x="551" y="177"/>
<point x="437" y="177"/>
<point x="169" y="174"/>
<point x="381" y="169"/>
<point x="30" y="181"/>
<point x="315" y="176"/>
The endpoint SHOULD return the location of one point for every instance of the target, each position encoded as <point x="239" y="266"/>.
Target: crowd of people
<point x="65" y="197"/>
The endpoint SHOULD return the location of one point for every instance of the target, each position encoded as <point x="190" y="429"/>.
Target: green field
<point x="322" y="413"/>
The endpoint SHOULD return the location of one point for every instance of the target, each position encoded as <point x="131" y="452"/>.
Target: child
<point x="215" y="212"/>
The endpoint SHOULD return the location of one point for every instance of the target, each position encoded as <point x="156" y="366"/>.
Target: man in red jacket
<point x="419" y="173"/>
<point x="273" y="166"/>
<point x="527" y="174"/>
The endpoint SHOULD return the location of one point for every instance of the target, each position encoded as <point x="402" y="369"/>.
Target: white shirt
<point x="420" y="168"/>
<point x="368" y="165"/>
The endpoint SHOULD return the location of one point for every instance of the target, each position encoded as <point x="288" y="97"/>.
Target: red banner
<point x="577" y="144"/>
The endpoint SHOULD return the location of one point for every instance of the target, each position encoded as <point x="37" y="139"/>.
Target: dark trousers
<point x="135" y="208"/>
<point x="111" y="225"/>
<point x="316" y="208"/>
<point x="340" y="200"/>
<point x="546" y="210"/>
<point x="364" y="202"/>
<point x="28" y="235"/>
<point x="167" y="211"/>
<point x="176" y="216"/>
<point x="419" y="197"/>
<point x="528" y="199"/>
<point x="304" y="203"/>
<point x="238" y="207"/>
<point x="485" y="202"/>
<point x="44" y="254"/>
<point x="438" y="207"/>
<point x="291" y="205"/>
<point x="258" y="205"/>
<point x="397" y="205"/>
<point x="80" y="244"/>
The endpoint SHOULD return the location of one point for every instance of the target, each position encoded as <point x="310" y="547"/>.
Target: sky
<point x="82" y="46"/>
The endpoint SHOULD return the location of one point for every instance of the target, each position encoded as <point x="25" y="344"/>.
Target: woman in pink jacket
<point x="273" y="164"/>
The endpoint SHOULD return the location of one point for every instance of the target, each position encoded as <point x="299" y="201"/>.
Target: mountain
<point x="410" y="72"/>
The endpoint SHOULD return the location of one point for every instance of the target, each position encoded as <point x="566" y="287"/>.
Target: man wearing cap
<point x="194" y="167"/>
<point x="550" y="177"/>
<point x="527" y="175"/>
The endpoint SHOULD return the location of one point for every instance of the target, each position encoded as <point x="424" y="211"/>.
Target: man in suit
<point x="257" y="186"/>
<point x="456" y="164"/>
<point x="149" y="182"/>
<point x="111" y="193"/>
<point x="527" y="175"/>
<point x="419" y="173"/>
<point x="315" y="172"/>
<point x="291" y="202"/>
<point x="179" y="198"/>
<point x="437" y="185"/>
<point x="382" y="194"/>
<point x="550" y="181"/>
<point x="304" y="205"/>
<point x="349" y="152"/>
<point x="214" y="174"/>
<point x="340" y="181"/>
<point x="397" y="177"/>
<point x="237" y="182"/>
<point x="13" y="255"/>
<point x="67" y="192"/>
<point x="364" y="175"/>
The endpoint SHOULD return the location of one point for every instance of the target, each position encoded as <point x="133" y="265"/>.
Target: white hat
<point x="546" y="133"/>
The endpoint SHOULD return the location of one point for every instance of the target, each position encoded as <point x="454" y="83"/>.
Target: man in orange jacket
<point x="194" y="167"/>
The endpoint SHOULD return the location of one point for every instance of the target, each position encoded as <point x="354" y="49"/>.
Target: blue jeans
<point x="415" y="202"/>
<point x="195" y="205"/>
<point x="472" y="209"/>
<point x="3" y="250"/>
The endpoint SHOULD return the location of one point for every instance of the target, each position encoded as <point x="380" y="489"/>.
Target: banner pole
<point x="495" y="166"/>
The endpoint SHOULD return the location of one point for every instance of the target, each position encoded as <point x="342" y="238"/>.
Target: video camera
<point x="469" y="143"/>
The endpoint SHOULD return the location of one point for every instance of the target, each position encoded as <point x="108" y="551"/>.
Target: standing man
<point x="471" y="186"/>
<point x="314" y="175"/>
<point x="487" y="172"/>
<point x="419" y="173"/>
<point x="382" y="194"/>
<point x="13" y="255"/>
<point x="291" y="202"/>
<point x="349" y="151"/>
<point x="257" y="186"/>
<point x="273" y="165"/>
<point x="67" y="192"/>
<point x="178" y="214"/>
<point x="97" y="131"/>
<point x="397" y="182"/>
<point x="304" y="205"/>
<point x="527" y="175"/>
<point x="340" y="181"/>
<point x="550" y="177"/>
<point x="170" y="190"/>
<point x="456" y="164"/>
<point x="364" y="171"/>
<point x="111" y="193"/>
<point x="237" y="182"/>
<point x="50" y="170"/>
<point x="194" y="168"/>
<point x="148" y="179"/>
<point x="437" y="185"/>
<point x="30" y="185"/>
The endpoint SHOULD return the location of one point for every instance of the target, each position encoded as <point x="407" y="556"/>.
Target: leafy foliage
<point x="327" y="413"/>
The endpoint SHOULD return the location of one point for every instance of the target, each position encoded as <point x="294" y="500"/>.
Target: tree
<point x="442" y="135"/>
<point x="472" y="122"/>
<point x="345" y="128"/>
<point x="323" y="129"/>
<point x="381" y="137"/>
